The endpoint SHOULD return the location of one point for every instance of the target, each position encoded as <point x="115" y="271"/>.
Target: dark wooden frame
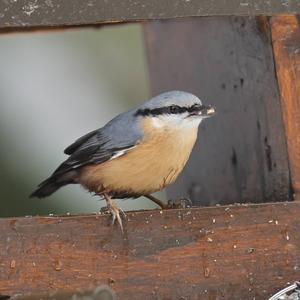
<point x="24" y="14"/>
<point x="241" y="154"/>
<point x="231" y="252"/>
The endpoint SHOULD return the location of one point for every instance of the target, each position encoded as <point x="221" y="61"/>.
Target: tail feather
<point x="45" y="189"/>
<point x="52" y="184"/>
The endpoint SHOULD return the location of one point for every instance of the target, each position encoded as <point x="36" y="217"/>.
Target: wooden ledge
<point x="52" y="13"/>
<point x="233" y="252"/>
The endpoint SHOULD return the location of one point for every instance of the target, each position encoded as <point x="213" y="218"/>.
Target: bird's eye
<point x="174" y="109"/>
<point x="147" y="112"/>
<point x="195" y="107"/>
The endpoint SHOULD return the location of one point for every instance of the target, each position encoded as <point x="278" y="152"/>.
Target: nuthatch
<point x="137" y="153"/>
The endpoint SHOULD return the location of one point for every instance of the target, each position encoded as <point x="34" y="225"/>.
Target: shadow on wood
<point x="235" y="252"/>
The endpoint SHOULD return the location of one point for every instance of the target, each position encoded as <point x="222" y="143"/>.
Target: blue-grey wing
<point x="120" y="134"/>
<point x="79" y="142"/>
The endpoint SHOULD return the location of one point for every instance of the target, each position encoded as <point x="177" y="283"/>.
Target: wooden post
<point x="286" y="43"/>
<point x="241" y="153"/>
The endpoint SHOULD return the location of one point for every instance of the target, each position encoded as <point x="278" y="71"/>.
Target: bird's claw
<point x="180" y="203"/>
<point x="116" y="213"/>
<point x="104" y="210"/>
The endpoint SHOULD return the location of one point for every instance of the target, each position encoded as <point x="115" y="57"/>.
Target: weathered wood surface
<point x="241" y="153"/>
<point x="38" y="13"/>
<point x="236" y="252"/>
<point x="286" y="44"/>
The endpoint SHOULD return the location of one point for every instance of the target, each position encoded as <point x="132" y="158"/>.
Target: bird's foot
<point x="116" y="213"/>
<point x="114" y="210"/>
<point x="180" y="203"/>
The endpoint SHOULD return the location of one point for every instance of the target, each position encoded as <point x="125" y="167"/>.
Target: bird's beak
<point x="208" y="111"/>
<point x="204" y="111"/>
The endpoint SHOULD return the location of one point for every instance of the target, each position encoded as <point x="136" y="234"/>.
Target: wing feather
<point x="71" y="149"/>
<point x="109" y="142"/>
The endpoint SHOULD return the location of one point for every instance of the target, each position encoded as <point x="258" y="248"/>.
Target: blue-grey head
<point x="175" y="108"/>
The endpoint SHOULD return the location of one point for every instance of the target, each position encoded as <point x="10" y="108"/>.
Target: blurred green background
<point x="55" y="87"/>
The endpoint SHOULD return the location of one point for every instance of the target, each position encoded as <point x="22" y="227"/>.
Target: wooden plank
<point x="24" y="14"/>
<point x="241" y="153"/>
<point x="286" y="44"/>
<point x="235" y="252"/>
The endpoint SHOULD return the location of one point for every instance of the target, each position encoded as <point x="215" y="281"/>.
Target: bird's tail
<point x="52" y="184"/>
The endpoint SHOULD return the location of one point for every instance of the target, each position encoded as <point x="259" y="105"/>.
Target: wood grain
<point x="286" y="44"/>
<point x="234" y="252"/>
<point x="24" y="14"/>
<point x="241" y="153"/>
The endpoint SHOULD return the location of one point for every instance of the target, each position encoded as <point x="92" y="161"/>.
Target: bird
<point x="137" y="153"/>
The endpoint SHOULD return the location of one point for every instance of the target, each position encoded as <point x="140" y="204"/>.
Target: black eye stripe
<point x="172" y="109"/>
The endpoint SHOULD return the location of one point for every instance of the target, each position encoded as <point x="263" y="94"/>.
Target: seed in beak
<point x="211" y="111"/>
